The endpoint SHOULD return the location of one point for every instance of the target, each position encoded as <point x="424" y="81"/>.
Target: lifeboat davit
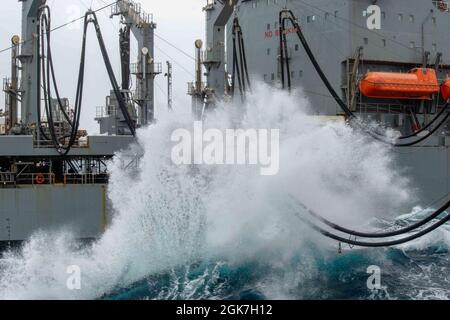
<point x="419" y="83"/>
<point x="445" y="90"/>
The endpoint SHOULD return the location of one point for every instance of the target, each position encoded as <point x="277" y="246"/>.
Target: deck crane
<point x="141" y="25"/>
<point x="213" y="57"/>
<point x="29" y="63"/>
<point x="47" y="185"/>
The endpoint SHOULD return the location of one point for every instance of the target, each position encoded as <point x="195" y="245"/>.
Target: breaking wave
<point x="218" y="232"/>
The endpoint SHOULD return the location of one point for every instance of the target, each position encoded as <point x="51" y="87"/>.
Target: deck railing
<point x="73" y="178"/>
<point x="8" y="179"/>
<point x="35" y="178"/>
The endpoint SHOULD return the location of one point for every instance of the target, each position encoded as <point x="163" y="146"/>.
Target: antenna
<point x="169" y="85"/>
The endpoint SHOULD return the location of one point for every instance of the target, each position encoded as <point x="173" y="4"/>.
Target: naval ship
<point x="52" y="173"/>
<point x="384" y="61"/>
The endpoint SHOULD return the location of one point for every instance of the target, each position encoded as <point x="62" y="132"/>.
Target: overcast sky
<point x="178" y="21"/>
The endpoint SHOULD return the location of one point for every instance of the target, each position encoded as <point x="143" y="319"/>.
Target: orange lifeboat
<point x="419" y="83"/>
<point x="445" y="90"/>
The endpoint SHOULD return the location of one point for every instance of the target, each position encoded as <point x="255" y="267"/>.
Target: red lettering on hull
<point x="271" y="34"/>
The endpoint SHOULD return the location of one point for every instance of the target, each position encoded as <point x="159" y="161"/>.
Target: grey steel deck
<point x="23" y="146"/>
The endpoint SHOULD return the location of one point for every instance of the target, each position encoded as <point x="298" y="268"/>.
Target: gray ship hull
<point x="69" y="194"/>
<point x="336" y="30"/>
<point x="27" y="210"/>
<point x="427" y="168"/>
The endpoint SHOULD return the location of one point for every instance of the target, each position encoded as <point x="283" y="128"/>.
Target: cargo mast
<point x="145" y="69"/>
<point x="218" y="14"/>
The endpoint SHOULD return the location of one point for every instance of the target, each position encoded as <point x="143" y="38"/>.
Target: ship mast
<point x="218" y="14"/>
<point x="145" y="69"/>
<point x="29" y="63"/>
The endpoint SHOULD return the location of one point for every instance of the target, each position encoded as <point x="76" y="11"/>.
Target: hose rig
<point x="286" y="16"/>
<point x="136" y="21"/>
<point x="46" y="72"/>
<point x="213" y="59"/>
<point x="44" y="144"/>
<point x="411" y="232"/>
<point x="240" y="68"/>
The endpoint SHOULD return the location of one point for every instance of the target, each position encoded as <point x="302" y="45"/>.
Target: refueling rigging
<point x="288" y="15"/>
<point x="240" y="67"/>
<point x="421" y="83"/>
<point x="140" y="24"/>
<point x="46" y="71"/>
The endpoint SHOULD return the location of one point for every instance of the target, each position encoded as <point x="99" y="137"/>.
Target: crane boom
<point x="218" y="15"/>
<point x="29" y="64"/>
<point x="145" y="69"/>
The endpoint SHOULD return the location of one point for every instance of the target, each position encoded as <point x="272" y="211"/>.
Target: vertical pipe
<point x="169" y="85"/>
<point x="423" y="32"/>
<point x="198" y="77"/>
<point x="125" y="45"/>
<point x="281" y="31"/>
<point x="12" y="112"/>
<point x="286" y="55"/>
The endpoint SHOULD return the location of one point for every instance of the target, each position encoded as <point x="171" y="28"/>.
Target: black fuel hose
<point x="236" y="69"/>
<point x="391" y="243"/>
<point x="412" y="143"/>
<point x="241" y="60"/>
<point x="339" y="101"/>
<point x="45" y="29"/>
<point x="47" y="70"/>
<point x="284" y="54"/>
<point x="377" y="244"/>
<point x="316" y="65"/>
<point x="240" y="67"/>
<point x="244" y="57"/>
<point x="425" y="128"/>
<point x="119" y="96"/>
<point x="398" y="232"/>
<point x="45" y="78"/>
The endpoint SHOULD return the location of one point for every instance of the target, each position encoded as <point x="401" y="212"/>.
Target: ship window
<point x="273" y="76"/>
<point x="400" y="17"/>
<point x="268" y="51"/>
<point x="268" y="26"/>
<point x="310" y="19"/>
<point x="327" y="15"/>
<point x="366" y="40"/>
<point x="296" y="47"/>
<point x="411" y="18"/>
<point x="336" y="14"/>
<point x="300" y="73"/>
<point x="384" y="42"/>
<point x="292" y="74"/>
<point x="265" y="77"/>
